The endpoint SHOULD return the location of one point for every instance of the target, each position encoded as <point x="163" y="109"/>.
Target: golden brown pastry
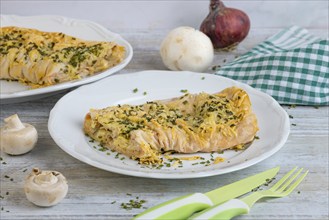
<point x="188" y="124"/>
<point x="45" y="58"/>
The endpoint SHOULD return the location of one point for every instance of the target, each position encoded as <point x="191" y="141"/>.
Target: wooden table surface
<point x="98" y="194"/>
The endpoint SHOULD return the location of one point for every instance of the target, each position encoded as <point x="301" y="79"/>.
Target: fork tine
<point x="295" y="184"/>
<point x="287" y="183"/>
<point x="283" y="179"/>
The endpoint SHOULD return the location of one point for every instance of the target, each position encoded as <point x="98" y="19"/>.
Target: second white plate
<point x="11" y="92"/>
<point x="67" y="117"/>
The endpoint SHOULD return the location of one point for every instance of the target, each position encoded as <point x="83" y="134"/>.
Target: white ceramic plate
<point x="11" y="92"/>
<point x="67" y="117"/>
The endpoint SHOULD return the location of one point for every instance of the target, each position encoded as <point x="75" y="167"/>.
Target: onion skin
<point x="226" y="27"/>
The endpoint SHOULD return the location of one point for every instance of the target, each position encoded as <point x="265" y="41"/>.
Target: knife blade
<point x="184" y="206"/>
<point x="240" y="187"/>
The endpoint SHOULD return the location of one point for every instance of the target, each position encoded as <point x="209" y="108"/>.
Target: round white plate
<point x="67" y="117"/>
<point x="11" y="92"/>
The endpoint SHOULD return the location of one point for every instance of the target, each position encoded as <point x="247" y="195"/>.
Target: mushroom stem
<point x="13" y="122"/>
<point x="45" y="178"/>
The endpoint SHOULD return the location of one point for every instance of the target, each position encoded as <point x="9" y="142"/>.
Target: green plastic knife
<point x="184" y="206"/>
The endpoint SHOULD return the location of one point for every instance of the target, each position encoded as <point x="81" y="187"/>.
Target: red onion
<point x="226" y="27"/>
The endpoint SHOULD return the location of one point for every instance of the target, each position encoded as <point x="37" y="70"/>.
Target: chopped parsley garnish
<point x="133" y="204"/>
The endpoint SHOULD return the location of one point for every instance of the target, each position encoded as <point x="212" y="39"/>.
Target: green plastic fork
<point x="235" y="207"/>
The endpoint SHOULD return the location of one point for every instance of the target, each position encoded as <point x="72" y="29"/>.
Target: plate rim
<point x="71" y="84"/>
<point x="245" y="164"/>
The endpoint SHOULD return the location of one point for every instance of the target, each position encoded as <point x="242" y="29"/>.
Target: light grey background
<point x="159" y="14"/>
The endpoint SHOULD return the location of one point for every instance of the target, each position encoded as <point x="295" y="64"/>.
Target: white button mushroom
<point x="45" y="188"/>
<point x="186" y="48"/>
<point x="17" y="137"/>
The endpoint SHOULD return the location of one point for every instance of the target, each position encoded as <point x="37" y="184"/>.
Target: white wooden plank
<point x="92" y="190"/>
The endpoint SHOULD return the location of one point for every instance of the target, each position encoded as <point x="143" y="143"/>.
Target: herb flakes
<point x="133" y="204"/>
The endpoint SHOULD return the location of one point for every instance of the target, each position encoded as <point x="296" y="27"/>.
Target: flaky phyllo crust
<point x="41" y="59"/>
<point x="188" y="124"/>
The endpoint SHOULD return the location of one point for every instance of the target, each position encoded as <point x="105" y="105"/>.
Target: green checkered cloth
<point x="291" y="66"/>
